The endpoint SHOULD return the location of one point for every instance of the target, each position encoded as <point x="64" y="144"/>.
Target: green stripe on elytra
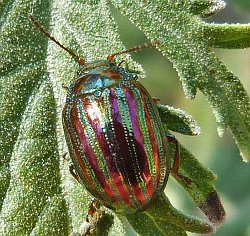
<point x="124" y="111"/>
<point x="107" y="106"/>
<point x="71" y="131"/>
<point x="158" y="137"/>
<point x="107" y="122"/>
<point x="90" y="133"/>
<point x="76" y="139"/>
<point x="84" y="159"/>
<point x="144" y="128"/>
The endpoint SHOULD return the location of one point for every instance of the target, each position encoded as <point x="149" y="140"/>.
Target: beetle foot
<point x="182" y="178"/>
<point x="156" y="100"/>
<point x="73" y="172"/>
<point x="94" y="216"/>
<point x="176" y="165"/>
<point x="64" y="156"/>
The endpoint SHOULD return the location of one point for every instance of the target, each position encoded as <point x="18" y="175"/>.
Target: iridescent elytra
<point x="114" y="134"/>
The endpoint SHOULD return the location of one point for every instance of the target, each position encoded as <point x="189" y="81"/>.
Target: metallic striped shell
<point x="115" y="138"/>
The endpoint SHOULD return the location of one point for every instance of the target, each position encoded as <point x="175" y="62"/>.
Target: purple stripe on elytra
<point x="97" y="120"/>
<point x="90" y="155"/>
<point x="123" y="156"/>
<point x="141" y="156"/>
<point x="126" y="156"/>
<point x="119" y="132"/>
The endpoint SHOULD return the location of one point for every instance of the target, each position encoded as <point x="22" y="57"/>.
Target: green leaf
<point x="201" y="189"/>
<point x="37" y="194"/>
<point x="167" y="221"/>
<point x="206" y="8"/>
<point x="31" y="198"/>
<point x="184" y="43"/>
<point x="227" y="36"/>
<point x="33" y="182"/>
<point x="178" y="120"/>
<point x="30" y="195"/>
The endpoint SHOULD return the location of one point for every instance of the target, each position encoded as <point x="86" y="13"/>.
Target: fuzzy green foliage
<point x="37" y="194"/>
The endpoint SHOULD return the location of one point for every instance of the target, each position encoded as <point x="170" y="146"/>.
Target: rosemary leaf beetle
<point x="114" y="134"/>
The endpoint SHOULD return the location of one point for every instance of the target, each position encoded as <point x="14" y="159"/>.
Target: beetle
<point x="114" y="134"/>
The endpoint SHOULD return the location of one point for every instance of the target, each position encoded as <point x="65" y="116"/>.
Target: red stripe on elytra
<point x="78" y="155"/>
<point x="124" y="158"/>
<point x="95" y="119"/>
<point x="140" y="146"/>
<point x="91" y="157"/>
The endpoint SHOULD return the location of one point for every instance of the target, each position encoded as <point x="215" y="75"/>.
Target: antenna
<point x="133" y="49"/>
<point x="80" y="60"/>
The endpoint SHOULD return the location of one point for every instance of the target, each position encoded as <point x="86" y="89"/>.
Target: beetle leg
<point x="94" y="216"/>
<point x="177" y="160"/>
<point x="65" y="87"/>
<point x="71" y="167"/>
<point x="64" y="156"/>
<point x="73" y="172"/>
<point x="94" y="207"/>
<point x="156" y="100"/>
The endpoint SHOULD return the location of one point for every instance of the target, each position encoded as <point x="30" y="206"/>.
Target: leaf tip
<point x="213" y="209"/>
<point x="245" y="157"/>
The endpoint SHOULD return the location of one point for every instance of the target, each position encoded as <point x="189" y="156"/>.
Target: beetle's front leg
<point x="93" y="218"/>
<point x="71" y="167"/>
<point x="156" y="100"/>
<point x="73" y="172"/>
<point x="176" y="165"/>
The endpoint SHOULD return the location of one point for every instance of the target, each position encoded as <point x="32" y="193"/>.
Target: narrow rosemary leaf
<point x="178" y="120"/>
<point x="227" y="35"/>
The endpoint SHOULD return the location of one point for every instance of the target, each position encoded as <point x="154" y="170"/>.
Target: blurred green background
<point x="221" y="155"/>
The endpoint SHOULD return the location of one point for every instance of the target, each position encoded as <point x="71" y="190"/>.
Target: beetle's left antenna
<point x="41" y="28"/>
